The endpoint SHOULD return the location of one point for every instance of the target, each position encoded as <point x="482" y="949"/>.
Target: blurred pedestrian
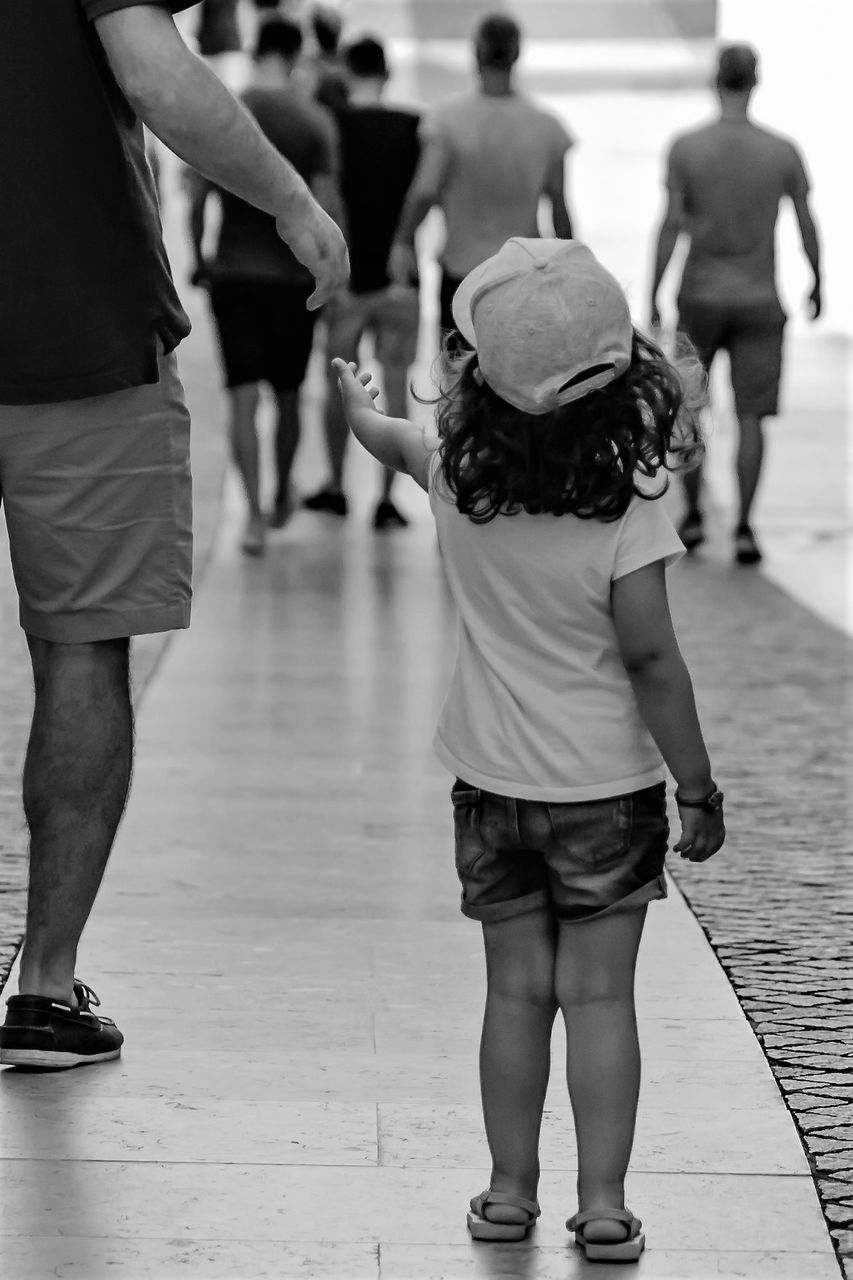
<point x="489" y="158"/>
<point x="94" y="432"/>
<point x="568" y="695"/>
<point x="379" y="151"/>
<point x="257" y="285"/>
<point x="725" y="181"/>
<point x="331" y="87"/>
<point x="218" y="31"/>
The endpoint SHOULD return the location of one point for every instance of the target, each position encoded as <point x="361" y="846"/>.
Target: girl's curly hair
<point x="583" y="459"/>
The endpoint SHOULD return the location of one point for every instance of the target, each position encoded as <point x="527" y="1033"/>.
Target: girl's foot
<point x="497" y="1215"/>
<point x="605" y="1230"/>
<point x="615" y="1236"/>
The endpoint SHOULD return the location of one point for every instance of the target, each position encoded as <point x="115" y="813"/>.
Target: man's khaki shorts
<point x="98" y="502"/>
<point x="391" y="315"/>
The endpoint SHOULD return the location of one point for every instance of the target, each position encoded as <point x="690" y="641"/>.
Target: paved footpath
<point x="278" y="933"/>
<point x="299" y="993"/>
<point x="279" y="937"/>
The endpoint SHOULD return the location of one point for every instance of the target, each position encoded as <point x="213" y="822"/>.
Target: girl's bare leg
<point x="515" y="1050"/>
<point x="594" y="982"/>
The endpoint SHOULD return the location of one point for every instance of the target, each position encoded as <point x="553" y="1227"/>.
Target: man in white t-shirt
<point x="488" y="159"/>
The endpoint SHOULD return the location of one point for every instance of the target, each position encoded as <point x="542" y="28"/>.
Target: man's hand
<point x="318" y="243"/>
<point x="815" y="301"/>
<point x="403" y="264"/>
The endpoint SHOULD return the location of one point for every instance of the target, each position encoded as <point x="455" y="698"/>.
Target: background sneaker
<point x="747" y="550"/>
<point x="50" y="1035"/>
<point x="282" y="511"/>
<point x="255" y="537"/>
<point x="334" y="504"/>
<point x="388" y="517"/>
<point x="691" y="531"/>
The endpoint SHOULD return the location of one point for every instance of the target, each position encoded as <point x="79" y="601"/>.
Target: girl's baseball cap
<point x="548" y="323"/>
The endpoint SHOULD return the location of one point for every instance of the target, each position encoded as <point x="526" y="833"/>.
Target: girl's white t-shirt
<point x="540" y="706"/>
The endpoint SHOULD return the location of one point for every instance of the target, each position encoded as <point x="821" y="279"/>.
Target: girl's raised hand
<point x="358" y="390"/>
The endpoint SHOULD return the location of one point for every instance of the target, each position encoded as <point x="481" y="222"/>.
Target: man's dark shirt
<point x="218" y="31"/>
<point x="379" y="155"/>
<point x="85" y="286"/>
<point x="249" y="246"/>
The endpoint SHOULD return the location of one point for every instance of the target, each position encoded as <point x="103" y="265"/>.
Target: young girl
<point x="569" y="693"/>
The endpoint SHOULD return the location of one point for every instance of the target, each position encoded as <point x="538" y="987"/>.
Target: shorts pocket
<point x="466" y="802"/>
<point x="596" y="833"/>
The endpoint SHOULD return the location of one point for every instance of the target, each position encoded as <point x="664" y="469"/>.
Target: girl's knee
<point x="536" y="994"/>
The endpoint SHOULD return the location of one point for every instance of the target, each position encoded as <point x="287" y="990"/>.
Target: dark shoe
<point x="691" y="531"/>
<point x="281" y="512"/>
<point x="334" y="504"/>
<point x="746" y="548"/>
<point x="45" y="1033"/>
<point x="388" y="517"/>
<point x="254" y="537"/>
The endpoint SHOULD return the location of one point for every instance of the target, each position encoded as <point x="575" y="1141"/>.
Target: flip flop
<point x="482" y="1228"/>
<point x="627" y="1250"/>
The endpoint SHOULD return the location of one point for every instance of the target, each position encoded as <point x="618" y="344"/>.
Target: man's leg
<point x="334" y="422"/>
<point x="244" y="441"/>
<point x="395" y="379"/>
<point x="396" y="321"/>
<point x="345" y="327"/>
<point x="76" y="781"/>
<point x="756" y="366"/>
<point x="287" y="431"/>
<point x="246" y="454"/>
<point x="750" y="454"/>
<point x="704" y="327"/>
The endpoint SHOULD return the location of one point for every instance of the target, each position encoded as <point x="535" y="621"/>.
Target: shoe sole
<point x="624" y="1251"/>
<point x="51" y="1060"/>
<point x="483" y="1229"/>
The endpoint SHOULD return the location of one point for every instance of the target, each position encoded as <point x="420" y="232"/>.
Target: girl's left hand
<point x="358" y="390"/>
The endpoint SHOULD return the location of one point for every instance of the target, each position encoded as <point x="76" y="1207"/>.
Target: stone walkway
<point x="279" y="935"/>
<point x="773" y="683"/>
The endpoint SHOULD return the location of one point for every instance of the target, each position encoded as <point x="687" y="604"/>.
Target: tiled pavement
<point x="773" y="684"/>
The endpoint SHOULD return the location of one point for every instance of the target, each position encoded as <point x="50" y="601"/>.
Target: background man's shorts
<point x="752" y="335"/>
<point x="391" y="315"/>
<point x="98" y="502"/>
<point x="580" y="861"/>
<point x="265" y="332"/>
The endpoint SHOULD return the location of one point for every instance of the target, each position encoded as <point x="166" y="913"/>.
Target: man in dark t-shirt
<point x="257" y="286"/>
<point x="379" y="155"/>
<point x="94" y="432"/>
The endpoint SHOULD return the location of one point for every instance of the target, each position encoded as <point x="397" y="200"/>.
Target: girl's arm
<point x="395" y="442"/>
<point x="664" y="693"/>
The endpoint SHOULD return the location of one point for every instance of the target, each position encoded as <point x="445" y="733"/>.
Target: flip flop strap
<point x="503" y="1197"/>
<point x="614" y="1215"/>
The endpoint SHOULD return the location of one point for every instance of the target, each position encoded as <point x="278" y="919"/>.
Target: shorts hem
<point x="652" y="891"/>
<point x="490" y="912"/>
<point x="103" y="624"/>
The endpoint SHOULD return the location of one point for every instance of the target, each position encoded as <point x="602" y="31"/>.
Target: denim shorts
<point x="579" y="861"/>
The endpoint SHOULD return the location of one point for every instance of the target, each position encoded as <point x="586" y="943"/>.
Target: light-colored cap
<point x="548" y="323"/>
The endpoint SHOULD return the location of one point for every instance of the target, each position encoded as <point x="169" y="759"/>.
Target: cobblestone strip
<point x="773" y="684"/>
